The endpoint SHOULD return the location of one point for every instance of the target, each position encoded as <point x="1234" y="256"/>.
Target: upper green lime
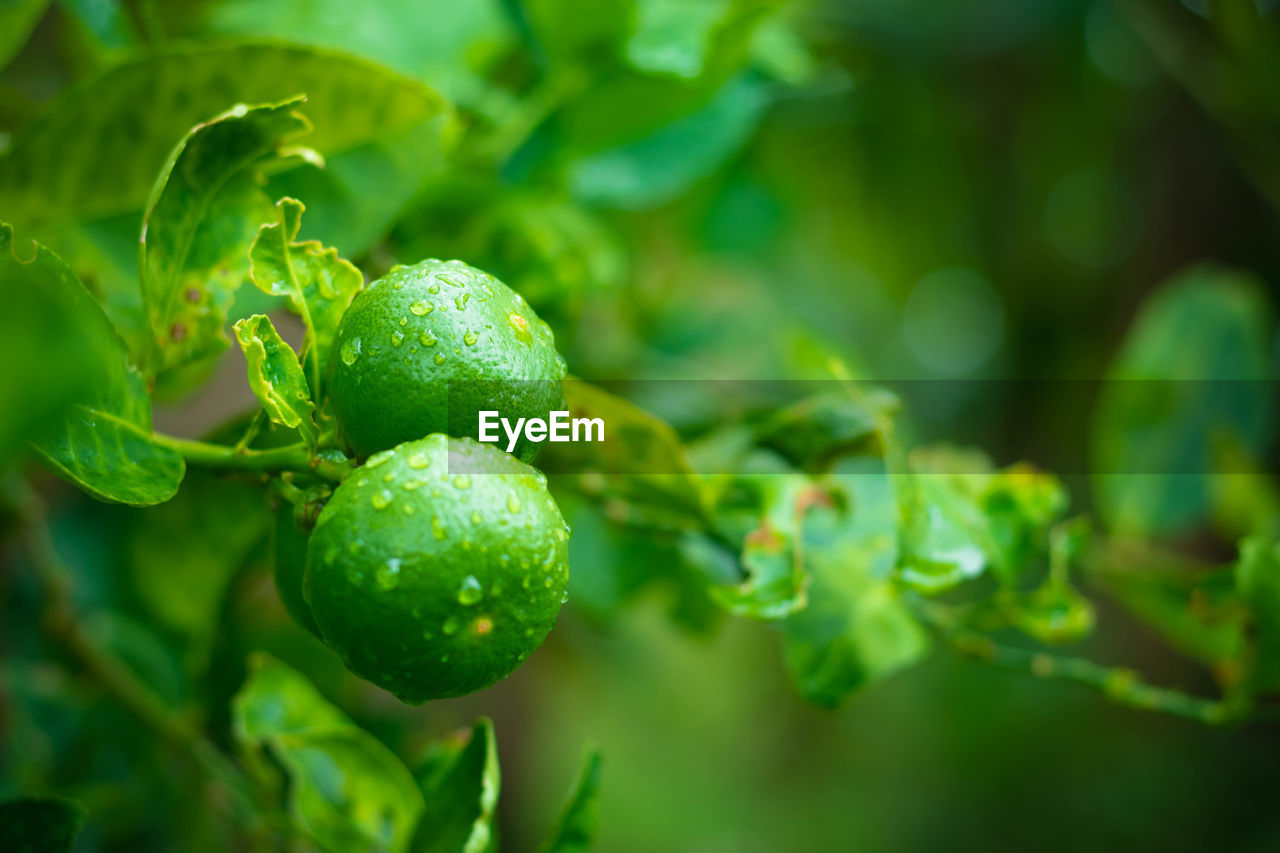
<point x="425" y="348"/>
<point x="437" y="567"/>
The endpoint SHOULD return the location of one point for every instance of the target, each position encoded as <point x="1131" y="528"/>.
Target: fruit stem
<point x="291" y="457"/>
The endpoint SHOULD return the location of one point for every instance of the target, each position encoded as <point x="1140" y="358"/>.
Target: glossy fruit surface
<point x="426" y="347"/>
<point x="438" y="567"/>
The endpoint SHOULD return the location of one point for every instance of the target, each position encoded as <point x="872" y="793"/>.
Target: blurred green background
<point x="693" y="189"/>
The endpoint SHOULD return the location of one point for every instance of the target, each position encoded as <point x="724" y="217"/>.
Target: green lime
<point x="291" y="564"/>
<point x="437" y="567"/>
<point x="425" y="348"/>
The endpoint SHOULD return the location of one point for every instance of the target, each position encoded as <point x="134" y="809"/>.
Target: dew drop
<point x="470" y="592"/>
<point x="439" y="358"/>
<point x="410" y="509"/>
<point x="475" y="517"/>
<point x="388" y="575"/>
<point x="513" y="503"/>
<point x="420" y="308"/>
<point x="397" y="338"/>
<point x="418" y="460"/>
<point x="381" y="499"/>
<point x="564" y="599"/>
<point x="389" y="477"/>
<point x="428" y="339"/>
<point x="350" y="351"/>
<point x="461" y="301"/>
<point x="450" y="627"/>
<point x="462" y="482"/>
<point x="437" y="527"/>
<point x="470" y="338"/>
<point x="378" y="458"/>
<point x="356" y="546"/>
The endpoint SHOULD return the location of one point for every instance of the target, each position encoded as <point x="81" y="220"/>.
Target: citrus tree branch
<point x="291" y="457"/>
<point x="65" y="627"/>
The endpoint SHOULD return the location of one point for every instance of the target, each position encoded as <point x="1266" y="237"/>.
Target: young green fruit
<point x="425" y="348"/>
<point x="291" y="563"/>
<point x="438" y="567"/>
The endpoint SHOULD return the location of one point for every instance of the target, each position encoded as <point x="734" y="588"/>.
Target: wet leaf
<point x="576" y="828"/>
<point x="346" y="790"/>
<point x="103" y="442"/>
<point x="197" y="228"/>
<point x="461" y="792"/>
<point x="318" y="284"/>
<point x="276" y="377"/>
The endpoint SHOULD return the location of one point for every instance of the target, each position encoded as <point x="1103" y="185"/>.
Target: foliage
<point x="646" y="175"/>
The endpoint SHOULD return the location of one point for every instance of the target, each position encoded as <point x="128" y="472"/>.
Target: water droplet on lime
<point x="397" y="338"/>
<point x="350" y="351"/>
<point x="450" y="627"/>
<point x="470" y="591"/>
<point x="470" y="338"/>
<point x="388" y="575"/>
<point x="381" y="499"/>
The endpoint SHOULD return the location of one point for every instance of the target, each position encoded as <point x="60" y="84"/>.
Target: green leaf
<point x="1258" y="582"/>
<point x="812" y="432"/>
<point x="104" y="26"/>
<point x="449" y="48"/>
<point x="346" y="790"/>
<point x="961" y="519"/>
<point x="197" y="228"/>
<point x="40" y="824"/>
<point x="1189" y="378"/>
<point x="1055" y="612"/>
<point x="183" y="554"/>
<point x="577" y="825"/>
<point x="657" y="167"/>
<point x="641" y="462"/>
<point x="772" y="553"/>
<point x="276" y="377"/>
<point x="855" y="628"/>
<point x="1193" y="606"/>
<point x="461" y="792"/>
<point x="103" y="441"/>
<point x="318" y="284"/>
<point x="41" y="330"/>
<point x="17" y="19"/>
<point x="672" y="36"/>
<point x="79" y="177"/>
